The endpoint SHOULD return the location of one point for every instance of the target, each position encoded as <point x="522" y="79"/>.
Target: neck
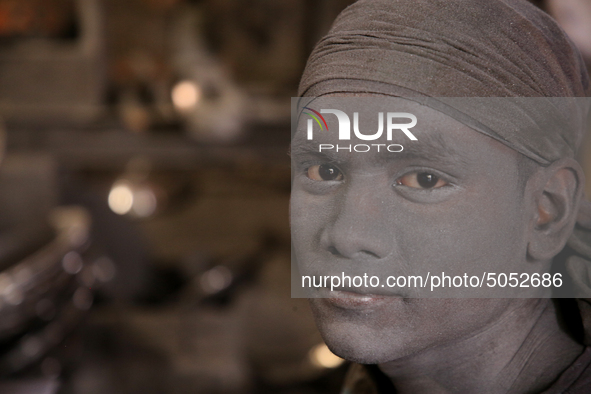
<point x="525" y="350"/>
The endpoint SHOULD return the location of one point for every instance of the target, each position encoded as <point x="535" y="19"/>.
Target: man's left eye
<point x="421" y="180"/>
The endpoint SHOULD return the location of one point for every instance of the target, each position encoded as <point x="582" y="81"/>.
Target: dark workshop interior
<point x="144" y="189"/>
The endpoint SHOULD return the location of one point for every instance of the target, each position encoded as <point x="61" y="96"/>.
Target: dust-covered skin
<point x="366" y="210"/>
<point x="473" y="219"/>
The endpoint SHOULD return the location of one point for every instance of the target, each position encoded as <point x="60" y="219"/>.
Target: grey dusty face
<point x="451" y="201"/>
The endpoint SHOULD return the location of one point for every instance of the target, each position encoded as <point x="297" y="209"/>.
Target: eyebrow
<point x="306" y="149"/>
<point x="433" y="148"/>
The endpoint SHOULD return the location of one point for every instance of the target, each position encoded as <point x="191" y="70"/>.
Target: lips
<point x="350" y="300"/>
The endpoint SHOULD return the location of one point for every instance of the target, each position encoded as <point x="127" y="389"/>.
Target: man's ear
<point x="558" y="190"/>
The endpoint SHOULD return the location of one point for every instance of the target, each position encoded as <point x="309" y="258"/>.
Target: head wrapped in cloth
<point x="436" y="50"/>
<point x="527" y="82"/>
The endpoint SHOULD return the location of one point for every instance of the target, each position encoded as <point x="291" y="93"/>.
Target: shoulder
<point x="577" y="378"/>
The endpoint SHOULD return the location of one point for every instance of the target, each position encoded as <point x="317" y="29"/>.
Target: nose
<point x="362" y="224"/>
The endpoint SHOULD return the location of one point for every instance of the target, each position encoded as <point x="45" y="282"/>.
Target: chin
<point x="363" y="340"/>
<point x="362" y="345"/>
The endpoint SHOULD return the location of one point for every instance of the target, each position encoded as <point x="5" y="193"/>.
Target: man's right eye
<point x="324" y="172"/>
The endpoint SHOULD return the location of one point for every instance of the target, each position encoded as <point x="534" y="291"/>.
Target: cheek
<point x="307" y="217"/>
<point x="475" y="232"/>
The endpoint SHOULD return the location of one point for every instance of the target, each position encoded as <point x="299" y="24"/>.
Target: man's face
<point x="451" y="200"/>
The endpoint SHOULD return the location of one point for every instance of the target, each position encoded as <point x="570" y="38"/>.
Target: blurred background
<point x="144" y="189"/>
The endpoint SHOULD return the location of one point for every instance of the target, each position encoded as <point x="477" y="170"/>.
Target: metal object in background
<point x="46" y="273"/>
<point x="211" y="105"/>
<point x="55" y="79"/>
<point x="40" y="299"/>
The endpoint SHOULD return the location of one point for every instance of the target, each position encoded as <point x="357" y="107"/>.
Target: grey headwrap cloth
<point x="461" y="48"/>
<point x="433" y="51"/>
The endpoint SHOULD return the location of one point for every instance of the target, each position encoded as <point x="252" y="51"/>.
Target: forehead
<point x="440" y="139"/>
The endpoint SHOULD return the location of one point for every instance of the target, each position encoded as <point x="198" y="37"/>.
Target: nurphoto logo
<point x="392" y="124"/>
